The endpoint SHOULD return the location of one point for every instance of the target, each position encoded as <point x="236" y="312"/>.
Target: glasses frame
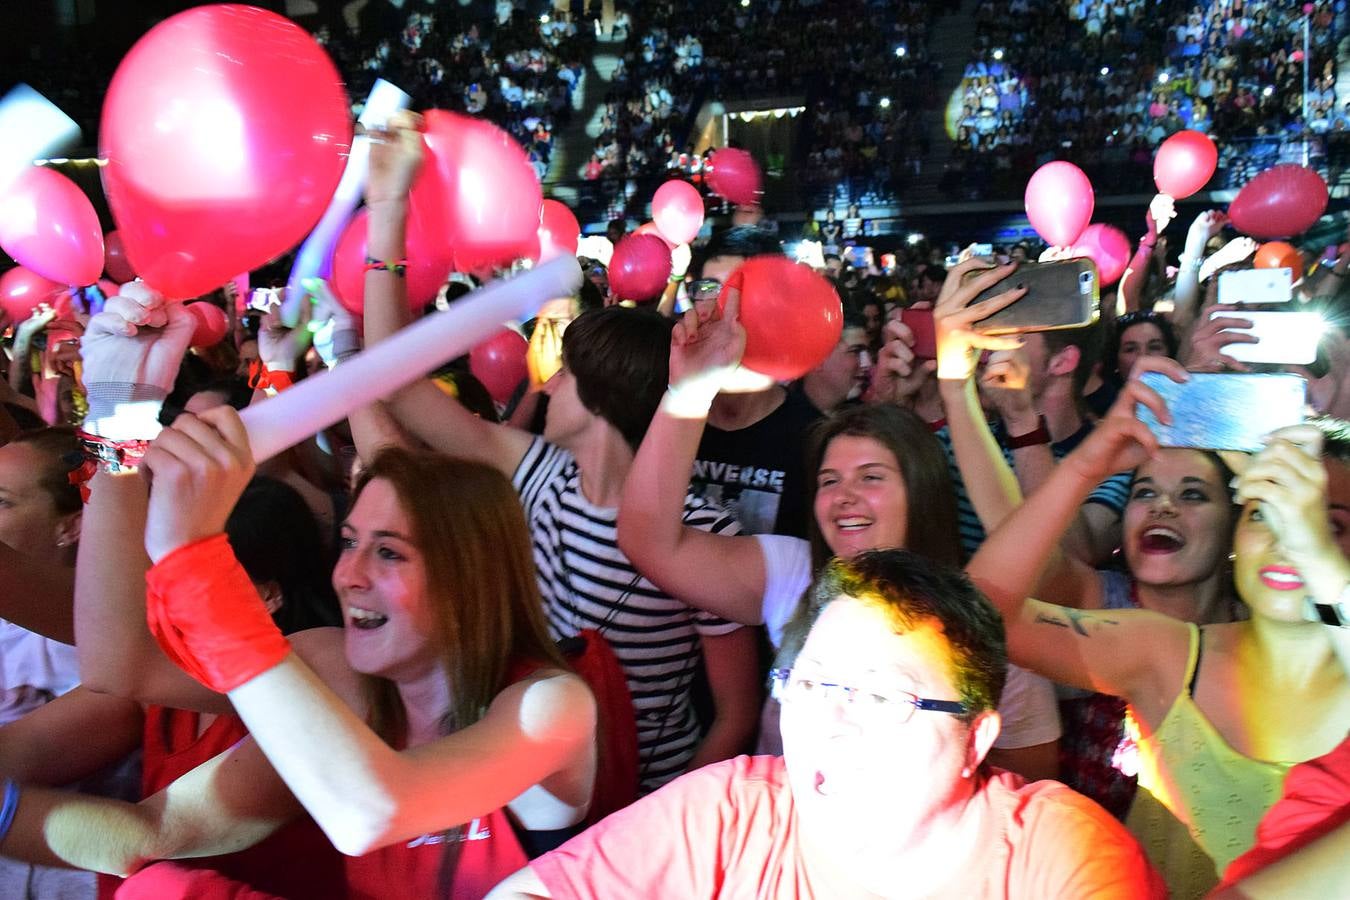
<point x="780" y="678"/>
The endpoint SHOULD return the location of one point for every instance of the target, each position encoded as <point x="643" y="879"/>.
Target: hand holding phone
<point x="1060" y="294"/>
<point x="1280" y="338"/>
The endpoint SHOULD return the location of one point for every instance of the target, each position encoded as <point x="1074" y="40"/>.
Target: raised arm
<point x="722" y="574"/>
<point x="440" y="421"/>
<point x="1186" y="304"/>
<point x="70" y="738"/>
<point x="1129" y="293"/>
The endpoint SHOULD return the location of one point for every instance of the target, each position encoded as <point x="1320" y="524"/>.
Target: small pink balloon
<point x="677" y="210"/>
<point x="424" y="276"/>
<point x="21" y="290"/>
<point x="559" y="231"/>
<point x="499" y="362"/>
<point x="1059" y="202"/>
<point x="1184" y="163"/>
<point x="1108" y="247"/>
<point x="115" y="261"/>
<point x="1280" y="202"/>
<point x="211" y="324"/>
<point x="735" y="175"/>
<point x="48" y="224"/>
<point x="639" y="268"/>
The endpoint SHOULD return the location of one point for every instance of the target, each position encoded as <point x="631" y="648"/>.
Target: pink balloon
<point x="1280" y="202"/>
<point x="21" y="290"/>
<point x="115" y="261"/>
<point x="792" y="316"/>
<point x="424" y="277"/>
<point x="559" y="231"/>
<point x="211" y="324"/>
<point x="226" y="130"/>
<point x="735" y="176"/>
<point x="499" y="362"/>
<point x="677" y="210"/>
<point x="490" y="199"/>
<point x="49" y="225"/>
<point x="1184" y="163"/>
<point x="1059" y="202"/>
<point x="639" y="268"/>
<point x="1108" y="247"/>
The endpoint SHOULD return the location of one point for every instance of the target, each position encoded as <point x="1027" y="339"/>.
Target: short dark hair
<point x="742" y="240"/>
<point x="1335" y="438"/>
<point x="60" y="450"/>
<point x="620" y="358"/>
<point x="1088" y="340"/>
<point x="911" y="589"/>
<point x="1110" y="368"/>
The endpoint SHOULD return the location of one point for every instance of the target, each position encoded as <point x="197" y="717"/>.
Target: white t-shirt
<point x="33" y="669"/>
<point x="1028" y="707"/>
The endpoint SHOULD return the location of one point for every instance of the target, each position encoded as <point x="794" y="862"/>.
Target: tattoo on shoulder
<point x="1075" y="619"/>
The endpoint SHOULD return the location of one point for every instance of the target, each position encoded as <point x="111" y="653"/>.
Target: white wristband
<point x="687" y="402"/>
<point x="133" y="420"/>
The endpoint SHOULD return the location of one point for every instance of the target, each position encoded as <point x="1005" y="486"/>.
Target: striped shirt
<point x="587" y="582"/>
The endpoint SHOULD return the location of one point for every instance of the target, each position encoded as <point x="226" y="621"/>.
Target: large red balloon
<point x="226" y="129"/>
<point x="499" y="362"/>
<point x="1279" y="255"/>
<point x="792" y="316"/>
<point x="1184" y="163"/>
<point x="639" y="268"/>
<point x="49" y="225"/>
<point x="1108" y="247"/>
<point x="559" y="231"/>
<point x="210" y="326"/>
<point x="490" y="197"/>
<point x="677" y="210"/>
<point x="735" y="176"/>
<point x="21" y="290"/>
<point x="1282" y="201"/>
<point x="1059" y="202"/>
<point x="428" y="266"/>
<point x="115" y="261"/>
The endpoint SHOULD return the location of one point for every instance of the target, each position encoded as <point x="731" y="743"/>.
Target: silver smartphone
<point x="1225" y="411"/>
<point x="1256" y="286"/>
<point x="1284" y="338"/>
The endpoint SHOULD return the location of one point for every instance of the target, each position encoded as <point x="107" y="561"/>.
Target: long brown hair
<point x="930" y="526"/>
<point x="468" y="524"/>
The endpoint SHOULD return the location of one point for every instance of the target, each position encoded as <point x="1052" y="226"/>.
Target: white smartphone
<point x="1285" y="338"/>
<point x="1256" y="286"/>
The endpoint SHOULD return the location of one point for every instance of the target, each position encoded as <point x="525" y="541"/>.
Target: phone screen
<point x="1256" y="286"/>
<point x="1224" y="411"/>
<point x="1287" y="338"/>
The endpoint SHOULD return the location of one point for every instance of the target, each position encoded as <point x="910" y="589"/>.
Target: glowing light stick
<point x="323" y="399"/>
<point x="316" y="253"/>
<point x="31" y="127"/>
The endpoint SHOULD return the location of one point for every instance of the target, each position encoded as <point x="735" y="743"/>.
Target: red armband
<point x="207" y="616"/>
<point x="271" y="380"/>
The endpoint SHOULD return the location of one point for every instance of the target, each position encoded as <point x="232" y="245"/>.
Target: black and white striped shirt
<point x="587" y="582"/>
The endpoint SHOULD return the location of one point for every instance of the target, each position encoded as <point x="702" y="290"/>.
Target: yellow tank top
<point x="1199" y="800"/>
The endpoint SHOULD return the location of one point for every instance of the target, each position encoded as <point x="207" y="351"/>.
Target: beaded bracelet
<point x="399" y="268"/>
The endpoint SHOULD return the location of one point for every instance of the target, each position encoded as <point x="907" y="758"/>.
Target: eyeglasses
<point x="896" y="706"/>
<point x="705" y="289"/>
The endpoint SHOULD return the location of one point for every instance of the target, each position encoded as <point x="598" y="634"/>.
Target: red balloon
<point x="1059" y="202"/>
<point x="21" y="290"/>
<point x="677" y="210"/>
<point x="639" y="268"/>
<point x="1108" y="247"/>
<point x="734" y="174"/>
<point x="115" y="261"/>
<point x="424" y="277"/>
<point x="49" y="225"/>
<point x="793" y="317"/>
<point x="1184" y="163"/>
<point x="559" y="231"/>
<point x="211" y="324"/>
<point x="1282" y="201"/>
<point x="651" y="229"/>
<point x="499" y="362"/>
<point x="226" y="129"/>
<point x="490" y="199"/>
<point x="1279" y="255"/>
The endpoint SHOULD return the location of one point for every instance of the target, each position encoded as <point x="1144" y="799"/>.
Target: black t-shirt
<point x="757" y="472"/>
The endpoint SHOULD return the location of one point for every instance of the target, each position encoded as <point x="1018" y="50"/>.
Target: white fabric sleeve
<point x="1029" y="711"/>
<point x="787" y="575"/>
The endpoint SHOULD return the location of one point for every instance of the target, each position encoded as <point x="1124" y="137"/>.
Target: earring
<point x="1232" y="557"/>
<point x="965" y="773"/>
<point x="63" y="543"/>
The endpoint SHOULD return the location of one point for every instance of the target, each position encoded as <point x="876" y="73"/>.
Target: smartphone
<point x="920" y="321"/>
<point x="981" y="249"/>
<point x="1224" y="411"/>
<point x="1060" y="294"/>
<point x="1286" y="338"/>
<point x="1256" y="286"/>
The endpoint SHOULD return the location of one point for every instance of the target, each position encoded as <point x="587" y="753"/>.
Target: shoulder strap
<point x="1193" y="660"/>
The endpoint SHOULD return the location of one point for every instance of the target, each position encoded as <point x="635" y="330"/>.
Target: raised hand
<point x="898" y="374"/>
<point x="1005" y="382"/>
<point x="396" y="154"/>
<point x="1235" y="251"/>
<point x="958" y="344"/>
<point x="1210" y="337"/>
<point x="1290" y="482"/>
<point x="1120" y="441"/>
<point x="705" y="354"/>
<point x="280" y="347"/>
<point x="1162" y="209"/>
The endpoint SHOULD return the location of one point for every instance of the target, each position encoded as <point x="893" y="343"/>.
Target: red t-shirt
<point x="1316" y="800"/>
<point x="729" y="830"/>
